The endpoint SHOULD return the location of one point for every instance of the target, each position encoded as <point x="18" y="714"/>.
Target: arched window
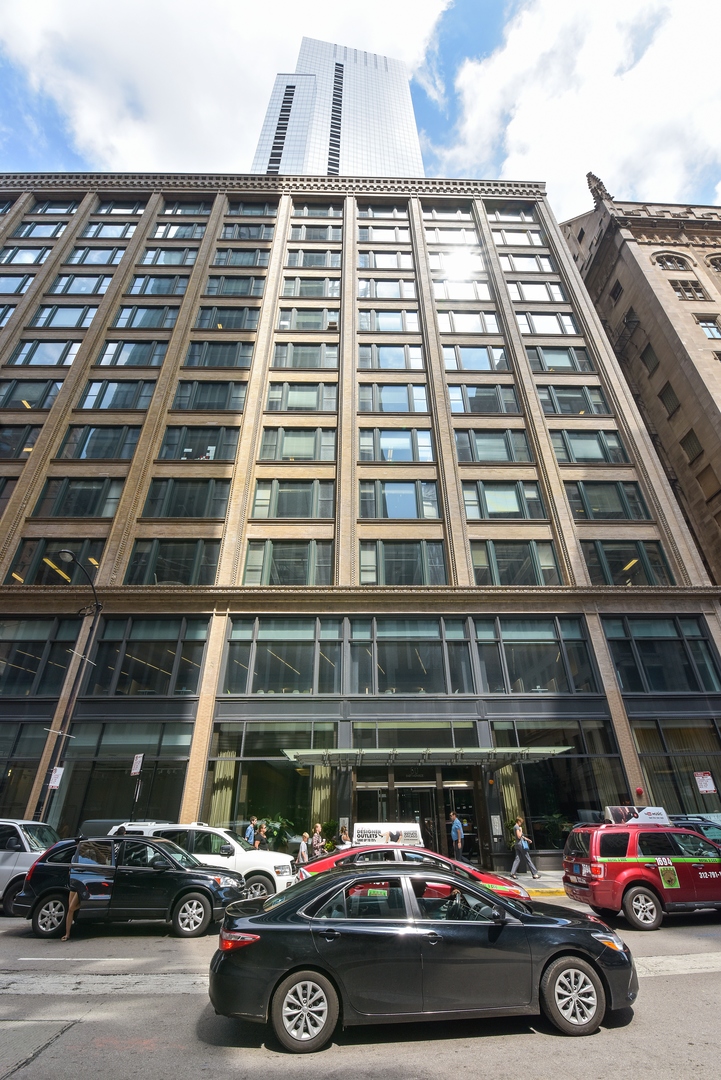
<point x="715" y="264"/>
<point x="671" y="262"/>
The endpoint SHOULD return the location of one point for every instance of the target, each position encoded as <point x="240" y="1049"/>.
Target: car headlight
<point x="283" y="870"/>
<point x="228" y="883"/>
<point x="611" y="940"/>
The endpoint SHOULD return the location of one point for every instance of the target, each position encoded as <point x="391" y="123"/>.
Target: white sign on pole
<point x="496" y="828"/>
<point x="137" y="765"/>
<point x="55" y="777"/>
<point x="704" y="782"/>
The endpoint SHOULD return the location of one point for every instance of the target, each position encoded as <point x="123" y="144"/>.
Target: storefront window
<point x="34" y="655"/>
<point x="149" y="657"/>
<point x="674" y="753"/>
<point x="662" y="655"/>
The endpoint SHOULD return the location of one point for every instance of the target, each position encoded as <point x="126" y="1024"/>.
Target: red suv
<point x="642" y="870"/>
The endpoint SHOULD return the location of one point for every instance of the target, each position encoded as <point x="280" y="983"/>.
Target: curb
<point x="546" y="892"/>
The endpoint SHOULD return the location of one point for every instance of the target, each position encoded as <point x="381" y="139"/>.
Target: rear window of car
<point x="62" y="855"/>
<point x="656" y="843"/>
<point x="613" y="845"/>
<point x="578" y="843"/>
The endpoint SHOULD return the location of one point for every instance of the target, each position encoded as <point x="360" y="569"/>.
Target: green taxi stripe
<point x="648" y="858"/>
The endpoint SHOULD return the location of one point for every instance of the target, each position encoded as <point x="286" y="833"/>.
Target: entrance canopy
<point x="494" y="757"/>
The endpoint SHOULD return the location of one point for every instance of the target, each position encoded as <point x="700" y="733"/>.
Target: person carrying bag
<point x="520" y="847"/>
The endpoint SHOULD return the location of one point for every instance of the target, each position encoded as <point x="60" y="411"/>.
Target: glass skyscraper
<point x="343" y="112"/>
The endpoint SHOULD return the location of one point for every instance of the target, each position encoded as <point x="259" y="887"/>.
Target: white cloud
<point x="175" y="85"/>
<point x="625" y="89"/>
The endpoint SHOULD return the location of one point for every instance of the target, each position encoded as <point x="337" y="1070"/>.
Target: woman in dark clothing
<point x="261" y="838"/>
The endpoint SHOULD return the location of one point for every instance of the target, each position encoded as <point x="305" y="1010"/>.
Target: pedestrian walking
<point x="457" y="837"/>
<point x="520" y="846"/>
<point x="317" y="843"/>
<point x="250" y="831"/>
<point x="261" y="840"/>
<point x="303" y="849"/>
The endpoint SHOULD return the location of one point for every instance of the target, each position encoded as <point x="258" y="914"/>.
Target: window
<point x="384" y="260"/>
<point x="669" y="400"/>
<point x="37" y="353"/>
<point x="41" y="230"/>
<point x="210" y="396"/>
<point x="408" y="656"/>
<point x="19" y="394"/>
<point x="503" y="500"/>
<point x="467" y="322"/>
<point x="17" y="441"/>
<point x="241" y="257"/>
<point x="166" y="231"/>
<point x="461" y="290"/>
<point x="199" y="444"/>
<point x="150" y="657"/>
<point x="474" y="358"/>
<point x="526" y="264"/>
<point x="514" y="562"/>
<point x="132" y="354"/>
<point x="536" y="292"/>
<point x="289" y="562"/>
<point x="142" y="318"/>
<point x="517" y="238"/>
<point x="20" y="283"/>
<point x="313" y="258"/>
<point x="588" y="447"/>
<point x="81" y="284"/>
<point x="540" y="656"/>
<point x="307" y="319"/>
<point x="650" y="360"/>
<point x="5" y="205"/>
<point x="626" y="562"/>
<point x="6" y="310"/>
<point x="386" y="289"/>
<point x="99" y="443"/>
<point x="96" y="256"/>
<point x="187" y="499"/>
<point x="531" y="322"/>
<point x="284" y="655"/>
<point x="616" y="292"/>
<point x="24" y="256"/>
<point x="173" y="562"/>
<point x="34" y="655"/>
<point x="573" y="400"/>
<point x="317" y="210"/>
<point x="451" y="236"/>
<point x="559" y="361"/>
<point x="383" y="211"/>
<point x="71" y="318"/>
<point x="302" y="397"/>
<point x="392" y="398"/>
<point x="691" y="446"/>
<point x="187" y="208"/>
<point x="37" y="562"/>
<point x="219" y="354"/>
<point x="440" y="901"/>
<point x="457" y="264"/>
<point x="161" y="285"/>
<point x="512" y="211"/>
<point x="64" y="497"/>
<point x="298" y="444"/>
<point x="106" y="230"/>
<point x="227" y="318"/>
<point x="606" y="501"/>
<point x="316" y="232"/>
<point x="311" y="286"/>
<point x="671" y="262"/>
<point x="7" y="487"/>
<point x="130" y="394"/>
<point x="252" y="209"/>
<point x="492" y="445"/>
<point x="395" y="444"/>
<point x="116" y="206"/>
<point x="391" y="357"/>
<point x="688" y="290"/>
<point x="383" y="234"/>
<point x="398" y="499"/>
<point x="294" y="499"/>
<point x="305" y="356"/>
<point x="378" y="900"/>
<point x="661" y="655"/>
<point x="483" y="399"/>
<point x="402" y="562"/>
<point x="708" y="482"/>
<point x="55" y="206"/>
<point x="234" y="286"/>
<point x="710" y="328"/>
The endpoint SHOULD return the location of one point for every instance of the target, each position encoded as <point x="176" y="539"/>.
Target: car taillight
<point x="597" y="869"/>
<point x="30" y="871"/>
<point x="231" y="939"/>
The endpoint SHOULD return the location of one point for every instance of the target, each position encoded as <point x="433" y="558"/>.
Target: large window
<point x="88" y="443"/>
<point x="461" y="290"/>
<point x="234" y="286"/>
<point x="129" y="394"/>
<point x="70" y="497"/>
<point x="7" y="487"/>
<point x="383" y="234"/>
<point x="395" y="444"/>
<point x="241" y="257"/>
<point x="527" y="656"/>
<point x="227" y="318"/>
<point x="252" y="209"/>
<point x="492" y="445"/>
<point x="289" y="562"/>
<point x="533" y="322"/>
<point x="541" y="291"/>
<point x="199" y="444"/>
<point x="602" y="500"/>
<point x="17" y="441"/>
<point x="386" y="289"/>
<point x="106" y="230"/>
<point x="188" y="209"/>
<point x="626" y="562"/>
<point x="169" y="257"/>
<point x="24" y="256"/>
<point x="514" y="562"/>
<point x="311" y="287"/>
<point x="132" y="354"/>
<point x="302" y="397"/>
<point x="65" y="318"/>
<point x="41" y="230"/>
<point x="573" y="400"/>
<point x="308" y="319"/>
<point x="673" y="752"/>
<point x="392" y="398"/>
<point x="589" y="447"/>
<point x="468" y="322"/>
<point x="148" y="657"/>
<point x="558" y="361"/>
<point x="662" y="655"/>
<point x="44" y="353"/>
<point x="158" y="285"/>
<point x="21" y="747"/>
<point x="6" y="310"/>
<point x="55" y="206"/>
<point x="384" y="260"/>
<point x="294" y="499"/>
<point x="167" y="231"/>
<point x="173" y="562"/>
<point x="398" y="499"/>
<point x="391" y="357"/>
<point x="34" y="655"/>
<point x="394" y="322"/>
<point x="145" y="318"/>
<point x="526" y="264"/>
<point x="37" y="562"/>
<point x="402" y="562"/>
<point x="316" y="232"/>
<point x="219" y="354"/>
<point x="210" y="396"/>
<point x="305" y="356"/>
<point x="518" y="238"/>
<point x="298" y="444"/>
<point x="509" y="499"/>
<point x="187" y="498"/>
<point x="485" y="398"/>
<point x="451" y="236"/>
<point x="21" y="394"/>
<point x="16" y="284"/>
<point x="313" y="259"/>
<point x="474" y="358"/>
<point x="81" y="284"/>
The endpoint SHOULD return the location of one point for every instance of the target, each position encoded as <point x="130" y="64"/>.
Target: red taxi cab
<point x="643" y="870"/>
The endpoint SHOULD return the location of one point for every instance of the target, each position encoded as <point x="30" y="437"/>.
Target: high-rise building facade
<point x="377" y="527"/>
<point x="342" y="112"/>
<point x="653" y="270"/>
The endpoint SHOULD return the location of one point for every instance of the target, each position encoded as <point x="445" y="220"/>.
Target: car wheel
<point x="572" y="996"/>
<point x="192" y="915"/>
<point x="49" y="916"/>
<point x="258" y="887"/>
<point x="9" y="898"/>
<point x="304" y="1012"/>
<point x="642" y="908"/>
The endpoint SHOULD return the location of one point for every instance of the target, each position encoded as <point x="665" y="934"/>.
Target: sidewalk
<point x="550" y="883"/>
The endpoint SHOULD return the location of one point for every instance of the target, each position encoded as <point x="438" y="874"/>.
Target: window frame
<point x="642" y="556"/>
<point x="492" y="563"/>
<point x="275" y="483"/>
<point x="415" y="447"/>
<point x="266" y="563"/>
<point x="380" y="563"/>
<point x="379" y="500"/>
<point x="520" y="485"/>
<point x="508" y="434"/>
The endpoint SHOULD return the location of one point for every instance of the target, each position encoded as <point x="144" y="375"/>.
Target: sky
<point x="515" y="89"/>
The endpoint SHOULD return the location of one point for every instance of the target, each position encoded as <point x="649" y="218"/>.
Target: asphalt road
<point x="130" y="1001"/>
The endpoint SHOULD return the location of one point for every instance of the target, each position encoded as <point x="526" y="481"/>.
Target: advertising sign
<point x="704" y="782"/>
<point x="137" y="765"/>
<point x="387" y="832"/>
<point x="625" y="815"/>
<point x="55" y="777"/>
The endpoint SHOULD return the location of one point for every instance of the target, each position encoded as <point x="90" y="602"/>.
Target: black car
<point x="381" y="945"/>
<point x="710" y="829"/>
<point x="126" y="879"/>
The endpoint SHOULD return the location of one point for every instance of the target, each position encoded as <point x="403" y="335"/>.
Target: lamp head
<point x="67" y="556"/>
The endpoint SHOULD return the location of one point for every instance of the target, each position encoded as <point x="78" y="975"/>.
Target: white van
<point x="21" y="843"/>
<point x="265" y="872"/>
<point x="387" y="832"/>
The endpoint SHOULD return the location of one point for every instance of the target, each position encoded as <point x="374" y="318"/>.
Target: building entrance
<point x="419" y="804"/>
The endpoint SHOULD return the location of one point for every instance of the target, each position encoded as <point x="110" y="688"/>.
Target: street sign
<point x="137" y="765"/>
<point x="704" y="782"/>
<point x="55" y="777"/>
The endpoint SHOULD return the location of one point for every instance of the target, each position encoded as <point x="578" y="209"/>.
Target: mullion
<point x="123" y="644"/>
<point x="637" y="657"/>
<point x="566" y="664"/>
<point x="176" y="665"/>
<point x="45" y="653"/>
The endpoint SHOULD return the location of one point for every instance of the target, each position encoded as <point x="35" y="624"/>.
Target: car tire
<point x="304" y="1012"/>
<point x="572" y="996"/>
<point x="192" y="915"/>
<point x="9" y="898"/>
<point x="49" y="916"/>
<point x="258" y="887"/>
<point x="642" y="908"/>
<point x="604" y="912"/>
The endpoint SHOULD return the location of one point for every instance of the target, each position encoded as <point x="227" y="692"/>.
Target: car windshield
<point x="40" y="837"/>
<point x="238" y="840"/>
<point x="184" y="858"/>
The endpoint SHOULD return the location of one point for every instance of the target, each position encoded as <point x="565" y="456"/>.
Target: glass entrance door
<point x="419" y="804"/>
<point x="372" y="803"/>
<point x="460" y="799"/>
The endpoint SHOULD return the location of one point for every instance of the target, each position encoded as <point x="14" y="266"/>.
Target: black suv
<point x="710" y="829"/>
<point x="126" y="879"/>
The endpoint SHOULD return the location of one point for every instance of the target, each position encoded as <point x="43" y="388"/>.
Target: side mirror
<point x="498" y="916"/>
<point x="159" y="863"/>
<point x="14" y="844"/>
<point x="226" y="850"/>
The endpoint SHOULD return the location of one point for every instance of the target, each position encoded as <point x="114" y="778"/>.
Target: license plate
<point x="577" y="868"/>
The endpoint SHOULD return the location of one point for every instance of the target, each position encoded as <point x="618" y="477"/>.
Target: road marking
<point x="683" y="964"/>
<point x="82" y="959"/>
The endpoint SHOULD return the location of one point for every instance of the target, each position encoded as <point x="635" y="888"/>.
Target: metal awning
<point x="494" y="757"/>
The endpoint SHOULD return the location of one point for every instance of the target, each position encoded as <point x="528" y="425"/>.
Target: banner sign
<point x="704" y="782"/>
<point x="637" y="815"/>
<point x="55" y="777"/>
<point x="137" y="765"/>
<point x="387" y="832"/>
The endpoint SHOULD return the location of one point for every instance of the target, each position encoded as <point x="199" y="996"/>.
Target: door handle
<point x="433" y="938"/>
<point x="650" y="866"/>
<point x="699" y="865"/>
<point x="331" y="935"/>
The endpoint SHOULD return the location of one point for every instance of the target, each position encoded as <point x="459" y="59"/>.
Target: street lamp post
<point x="61" y="733"/>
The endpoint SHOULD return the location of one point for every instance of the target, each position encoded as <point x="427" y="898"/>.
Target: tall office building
<point x="343" y="112"/>
<point x="653" y="270"/>
<point x="369" y="505"/>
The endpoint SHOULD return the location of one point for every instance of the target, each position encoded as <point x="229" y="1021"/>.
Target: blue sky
<point x="524" y="89"/>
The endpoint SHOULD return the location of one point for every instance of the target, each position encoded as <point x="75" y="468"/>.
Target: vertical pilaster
<point x="346" y="483"/>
